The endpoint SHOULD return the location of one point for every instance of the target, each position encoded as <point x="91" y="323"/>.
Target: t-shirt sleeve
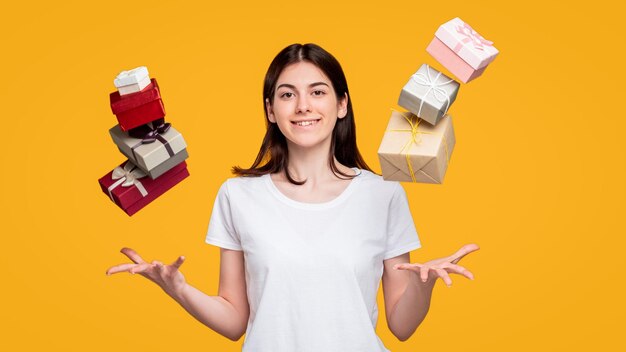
<point x="221" y="231"/>
<point x="401" y="234"/>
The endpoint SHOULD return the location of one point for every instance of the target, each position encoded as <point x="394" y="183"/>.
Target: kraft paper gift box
<point x="148" y="156"/>
<point x="138" y="109"/>
<point x="429" y="94"/>
<point x="129" y="188"/>
<point x="413" y="151"/>
<point x="132" y="81"/>
<point x="464" y="43"/>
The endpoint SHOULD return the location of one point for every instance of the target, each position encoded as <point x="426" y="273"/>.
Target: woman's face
<point x="305" y="106"/>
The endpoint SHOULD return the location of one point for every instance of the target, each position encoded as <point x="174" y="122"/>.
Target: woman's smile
<point x="305" y="123"/>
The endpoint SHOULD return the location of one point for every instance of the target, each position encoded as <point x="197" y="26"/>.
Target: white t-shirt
<point x="313" y="269"/>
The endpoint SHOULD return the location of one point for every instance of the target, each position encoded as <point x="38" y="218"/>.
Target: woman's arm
<point x="227" y="313"/>
<point x="408" y="288"/>
<point x="407" y="299"/>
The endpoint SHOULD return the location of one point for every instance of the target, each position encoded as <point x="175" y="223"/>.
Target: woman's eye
<point x="286" y="95"/>
<point x="319" y="92"/>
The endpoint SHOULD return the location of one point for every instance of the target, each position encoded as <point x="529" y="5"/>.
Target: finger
<point x="132" y="255"/>
<point x="465" y="250"/>
<point x="424" y="273"/>
<point x="457" y="269"/>
<point x="140" y="268"/>
<point x="119" y="268"/>
<point x="158" y="265"/>
<point x="176" y="264"/>
<point x="408" y="266"/>
<point x="444" y="275"/>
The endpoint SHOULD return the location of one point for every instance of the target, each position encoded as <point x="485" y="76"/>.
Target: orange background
<point x="536" y="178"/>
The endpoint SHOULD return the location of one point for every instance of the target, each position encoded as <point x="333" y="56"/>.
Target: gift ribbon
<point x="155" y="134"/>
<point x="439" y="93"/>
<point x="415" y="132"/>
<point x="148" y="134"/>
<point x="470" y="36"/>
<point x="128" y="176"/>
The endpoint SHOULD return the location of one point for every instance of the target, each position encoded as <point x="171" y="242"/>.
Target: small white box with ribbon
<point x="132" y="81"/>
<point x="429" y="94"/>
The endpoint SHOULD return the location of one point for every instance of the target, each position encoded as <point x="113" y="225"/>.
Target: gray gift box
<point x="154" y="158"/>
<point x="429" y="94"/>
<point x="164" y="166"/>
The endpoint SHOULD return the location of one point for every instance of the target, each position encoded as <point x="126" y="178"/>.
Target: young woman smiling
<point x="308" y="231"/>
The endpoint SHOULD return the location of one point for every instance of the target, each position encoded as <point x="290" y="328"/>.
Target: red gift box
<point x="131" y="190"/>
<point x="139" y="108"/>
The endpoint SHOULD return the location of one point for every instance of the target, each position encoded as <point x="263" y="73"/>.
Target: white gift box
<point x="467" y="43"/>
<point x="132" y="81"/>
<point x="429" y="94"/>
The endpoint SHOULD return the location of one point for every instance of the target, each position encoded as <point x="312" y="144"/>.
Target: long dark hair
<point x="273" y="155"/>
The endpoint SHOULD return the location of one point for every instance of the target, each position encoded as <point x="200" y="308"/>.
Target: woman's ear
<point x="342" y="106"/>
<point x="270" y="113"/>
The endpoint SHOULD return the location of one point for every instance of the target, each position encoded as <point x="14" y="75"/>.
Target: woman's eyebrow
<point x="294" y="87"/>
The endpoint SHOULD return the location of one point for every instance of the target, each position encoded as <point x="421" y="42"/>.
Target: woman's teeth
<point x="305" y="123"/>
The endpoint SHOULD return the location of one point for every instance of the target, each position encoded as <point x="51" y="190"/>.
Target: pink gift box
<point x="459" y="68"/>
<point x="464" y="41"/>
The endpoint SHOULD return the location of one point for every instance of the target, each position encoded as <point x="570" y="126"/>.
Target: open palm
<point x="440" y="268"/>
<point x="168" y="277"/>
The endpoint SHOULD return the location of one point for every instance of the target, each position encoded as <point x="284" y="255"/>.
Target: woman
<point x="308" y="231"/>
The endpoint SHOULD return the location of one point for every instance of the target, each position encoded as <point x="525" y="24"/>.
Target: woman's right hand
<point x="168" y="277"/>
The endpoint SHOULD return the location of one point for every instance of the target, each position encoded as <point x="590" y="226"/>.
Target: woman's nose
<point x="303" y="105"/>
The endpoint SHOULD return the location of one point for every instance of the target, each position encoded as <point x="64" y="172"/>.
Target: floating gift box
<point x="149" y="155"/>
<point x="138" y="109"/>
<point x="131" y="190"/>
<point x="463" y="51"/>
<point x="164" y="166"/>
<point x="467" y="43"/>
<point x="429" y="94"/>
<point x="133" y="81"/>
<point x="446" y="57"/>
<point x="414" y="151"/>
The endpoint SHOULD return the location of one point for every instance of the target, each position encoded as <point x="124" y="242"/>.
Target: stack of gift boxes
<point x="156" y="151"/>
<point x="418" y="144"/>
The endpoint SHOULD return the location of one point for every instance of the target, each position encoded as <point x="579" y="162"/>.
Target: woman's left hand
<point x="439" y="268"/>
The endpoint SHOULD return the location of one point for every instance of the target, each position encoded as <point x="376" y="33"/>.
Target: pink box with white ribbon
<point x="465" y="42"/>
<point x="448" y="59"/>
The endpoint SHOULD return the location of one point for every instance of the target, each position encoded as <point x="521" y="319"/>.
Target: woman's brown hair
<point x="273" y="155"/>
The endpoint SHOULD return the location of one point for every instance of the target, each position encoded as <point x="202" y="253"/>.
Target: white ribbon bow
<point x="127" y="177"/>
<point x="439" y="93"/>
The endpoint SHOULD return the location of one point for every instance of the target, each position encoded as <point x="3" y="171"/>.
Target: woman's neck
<point x="311" y="164"/>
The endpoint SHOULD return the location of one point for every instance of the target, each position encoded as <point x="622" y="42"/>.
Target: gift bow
<point x="147" y="134"/>
<point x="470" y="36"/>
<point x="160" y="129"/>
<point x="415" y="132"/>
<point x="128" y="176"/>
<point x="151" y="136"/>
<point x="439" y="93"/>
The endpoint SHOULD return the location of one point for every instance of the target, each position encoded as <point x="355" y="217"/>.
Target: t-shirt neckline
<point x="303" y="205"/>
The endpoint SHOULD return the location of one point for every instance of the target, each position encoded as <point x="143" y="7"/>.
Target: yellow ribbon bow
<point x="415" y="140"/>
